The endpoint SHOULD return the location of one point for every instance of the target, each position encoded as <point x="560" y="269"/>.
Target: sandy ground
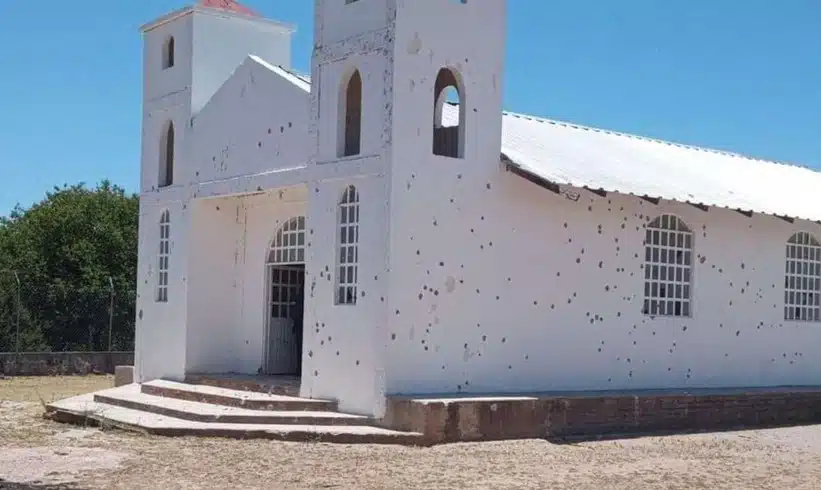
<point x="35" y="453"/>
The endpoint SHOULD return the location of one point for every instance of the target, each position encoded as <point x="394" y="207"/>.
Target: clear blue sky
<point x="738" y="75"/>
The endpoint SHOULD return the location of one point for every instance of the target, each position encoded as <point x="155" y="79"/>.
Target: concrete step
<point x="234" y="398"/>
<point x="272" y="385"/>
<point x="84" y="410"/>
<point x="131" y="397"/>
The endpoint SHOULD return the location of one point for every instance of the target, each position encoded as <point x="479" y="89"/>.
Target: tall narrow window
<point x="668" y="258"/>
<point x="167" y="157"/>
<point x="448" y="115"/>
<point x="162" y="257"/>
<point x="348" y="254"/>
<point x="168" y="53"/>
<point x="802" y="284"/>
<point x="351" y="120"/>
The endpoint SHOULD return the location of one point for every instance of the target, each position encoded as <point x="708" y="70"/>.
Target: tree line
<point x="62" y="262"/>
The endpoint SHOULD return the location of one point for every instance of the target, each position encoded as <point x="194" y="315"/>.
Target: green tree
<point x="66" y="249"/>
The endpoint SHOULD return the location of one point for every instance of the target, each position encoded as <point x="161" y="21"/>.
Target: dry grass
<point x="767" y="459"/>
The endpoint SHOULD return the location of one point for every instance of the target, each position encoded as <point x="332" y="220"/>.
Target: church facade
<point x="383" y="227"/>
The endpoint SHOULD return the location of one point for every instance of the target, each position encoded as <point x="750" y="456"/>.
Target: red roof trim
<point x="229" y="5"/>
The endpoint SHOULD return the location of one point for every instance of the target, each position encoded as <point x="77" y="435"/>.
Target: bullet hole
<point x="310" y="353"/>
<point x="382" y="299"/>
<point x="504" y="340"/>
<point x="418" y="252"/>
<point x="357" y="362"/>
<point x="508" y="279"/>
<point x="558" y="274"/>
<point x="527" y="357"/>
<point x="337" y="353"/>
<point x="281" y="129"/>
<point x="535" y="303"/>
<point x="436" y="292"/>
<point x="420" y="296"/>
<point x="435" y="223"/>
<point x="259" y="144"/>
<point x="607" y="288"/>
<point x="578" y="260"/>
<point x="393" y="336"/>
<point x="582" y="251"/>
<point x="684" y="328"/>
<point x="565" y="225"/>
<point x="488" y="185"/>
<point x="553" y="307"/>
<point x="269" y="130"/>
<point x="451" y="200"/>
<point x="601" y="264"/>
<point x="477" y="291"/>
<point x="397" y="312"/>
<point x="590" y="208"/>
<point x="482" y="218"/>
<point x="497" y="298"/>
<point x="459" y="176"/>
<point x="472" y="230"/>
<point x="737" y="333"/>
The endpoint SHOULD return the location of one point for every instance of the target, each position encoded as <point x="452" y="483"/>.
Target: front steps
<point x="178" y="409"/>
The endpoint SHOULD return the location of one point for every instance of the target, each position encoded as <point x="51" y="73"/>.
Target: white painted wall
<point x="160" y="343"/>
<point x="223" y="40"/>
<point x="525" y="303"/>
<point x="343" y="358"/>
<point x="227" y="291"/>
<point x="257" y="122"/>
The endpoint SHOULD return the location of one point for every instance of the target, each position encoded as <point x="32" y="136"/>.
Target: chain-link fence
<point x="40" y="313"/>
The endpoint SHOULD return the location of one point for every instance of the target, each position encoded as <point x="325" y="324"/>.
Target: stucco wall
<point x="343" y="358"/>
<point x="257" y="122"/>
<point x="160" y="336"/>
<point x="511" y="287"/>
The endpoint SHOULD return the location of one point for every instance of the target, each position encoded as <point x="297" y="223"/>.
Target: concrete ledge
<point x="586" y="416"/>
<point x="62" y="363"/>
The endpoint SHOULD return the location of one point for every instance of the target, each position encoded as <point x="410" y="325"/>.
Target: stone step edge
<point x="236" y="401"/>
<point x="242" y="385"/>
<point x="64" y="415"/>
<point x="267" y="419"/>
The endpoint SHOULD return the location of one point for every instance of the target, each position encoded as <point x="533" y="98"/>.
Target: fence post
<point x="110" y="312"/>
<point x="17" y="321"/>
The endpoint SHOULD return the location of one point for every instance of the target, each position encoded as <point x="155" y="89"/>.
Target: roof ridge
<point x="657" y="140"/>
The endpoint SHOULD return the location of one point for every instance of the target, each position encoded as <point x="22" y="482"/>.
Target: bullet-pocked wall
<point x="502" y="285"/>
<point x="344" y="316"/>
<point x="257" y="122"/>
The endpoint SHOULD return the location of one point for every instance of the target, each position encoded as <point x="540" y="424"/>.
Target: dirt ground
<point x="38" y="454"/>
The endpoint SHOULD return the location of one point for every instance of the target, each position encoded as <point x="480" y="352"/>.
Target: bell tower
<point x="391" y="74"/>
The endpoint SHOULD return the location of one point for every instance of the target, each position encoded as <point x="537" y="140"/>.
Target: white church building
<point x="383" y="227"/>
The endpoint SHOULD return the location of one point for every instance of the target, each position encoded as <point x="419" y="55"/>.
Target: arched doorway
<point x="285" y="281"/>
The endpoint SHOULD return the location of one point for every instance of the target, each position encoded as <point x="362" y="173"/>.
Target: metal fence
<point x="40" y="312"/>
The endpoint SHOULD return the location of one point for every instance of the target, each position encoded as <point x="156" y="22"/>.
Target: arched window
<point x="802" y="284"/>
<point x="348" y="246"/>
<point x="288" y="246"/>
<point x="162" y="257"/>
<point x="168" y="53"/>
<point x="166" y="177"/>
<point x="668" y="259"/>
<point x="448" y="115"/>
<point x="351" y="121"/>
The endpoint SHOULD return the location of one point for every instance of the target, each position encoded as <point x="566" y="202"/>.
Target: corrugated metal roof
<point x="568" y="154"/>
<point x="578" y="156"/>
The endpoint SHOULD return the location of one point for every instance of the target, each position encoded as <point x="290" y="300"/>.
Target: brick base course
<point x="452" y="420"/>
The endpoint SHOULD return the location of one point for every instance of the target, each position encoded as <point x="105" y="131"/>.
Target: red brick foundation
<point x="592" y="416"/>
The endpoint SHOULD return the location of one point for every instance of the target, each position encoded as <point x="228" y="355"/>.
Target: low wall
<point x="601" y="415"/>
<point x="57" y="363"/>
